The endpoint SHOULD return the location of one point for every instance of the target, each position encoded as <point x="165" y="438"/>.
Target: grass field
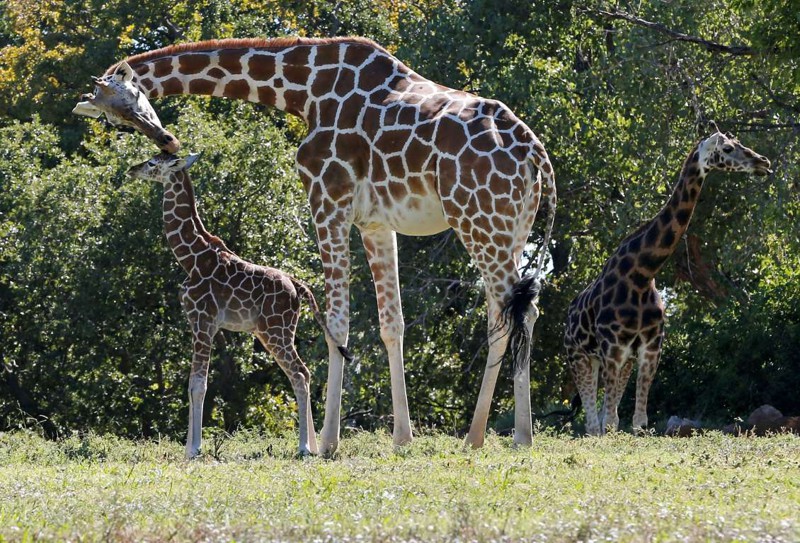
<point x="619" y="488"/>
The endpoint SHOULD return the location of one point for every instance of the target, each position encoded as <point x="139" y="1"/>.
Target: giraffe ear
<point x="191" y="159"/>
<point x="124" y="72"/>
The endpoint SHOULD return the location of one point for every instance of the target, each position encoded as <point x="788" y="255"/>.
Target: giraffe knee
<point x="303" y="371"/>
<point x="197" y="387"/>
<point x="392" y="329"/>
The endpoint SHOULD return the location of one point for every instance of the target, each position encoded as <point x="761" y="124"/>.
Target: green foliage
<point x="738" y="356"/>
<point x="91" y="332"/>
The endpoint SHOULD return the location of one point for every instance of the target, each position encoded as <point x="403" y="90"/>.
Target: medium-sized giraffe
<point x="620" y="316"/>
<point x="225" y="292"/>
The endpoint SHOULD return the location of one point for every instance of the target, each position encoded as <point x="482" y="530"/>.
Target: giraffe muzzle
<point x="153" y="130"/>
<point x="762" y="166"/>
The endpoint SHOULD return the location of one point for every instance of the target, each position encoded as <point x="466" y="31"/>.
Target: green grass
<point x="619" y="488"/>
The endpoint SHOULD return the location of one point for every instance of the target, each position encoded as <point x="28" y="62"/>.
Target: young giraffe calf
<point x="225" y="292"/>
<point x="620" y="315"/>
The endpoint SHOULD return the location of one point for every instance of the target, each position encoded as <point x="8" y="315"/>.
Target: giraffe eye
<point x="727" y="148"/>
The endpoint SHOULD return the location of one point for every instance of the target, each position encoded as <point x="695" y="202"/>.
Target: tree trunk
<point x="693" y="267"/>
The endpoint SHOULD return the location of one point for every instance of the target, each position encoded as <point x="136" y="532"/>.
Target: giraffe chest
<point x="611" y="314"/>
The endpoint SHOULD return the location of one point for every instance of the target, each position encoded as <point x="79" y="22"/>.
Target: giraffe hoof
<point x="402" y="440"/>
<point x="192" y="454"/>
<point x="328" y="449"/>
<point x="473" y="442"/>
<point x="522" y="441"/>
<point x="304" y="452"/>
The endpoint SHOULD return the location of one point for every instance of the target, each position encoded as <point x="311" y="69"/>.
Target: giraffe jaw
<point x="86" y="108"/>
<point x="763" y="169"/>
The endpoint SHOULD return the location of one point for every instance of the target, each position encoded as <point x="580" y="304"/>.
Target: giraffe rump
<point x="515" y="315"/>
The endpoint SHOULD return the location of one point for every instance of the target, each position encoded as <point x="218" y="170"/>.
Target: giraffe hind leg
<point x="521" y="314"/>
<point x="283" y="351"/>
<point x="498" y="341"/>
<point x="500" y="281"/>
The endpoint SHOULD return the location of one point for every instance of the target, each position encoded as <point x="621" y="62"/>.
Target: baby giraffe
<point x="620" y="316"/>
<point x="225" y="292"/>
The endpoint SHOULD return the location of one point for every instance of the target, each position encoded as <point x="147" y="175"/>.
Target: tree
<point x="91" y="333"/>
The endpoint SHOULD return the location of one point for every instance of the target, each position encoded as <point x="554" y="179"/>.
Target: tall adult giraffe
<point x="387" y="151"/>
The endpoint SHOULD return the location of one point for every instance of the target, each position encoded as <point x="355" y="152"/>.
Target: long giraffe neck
<point x="289" y="74"/>
<point x="654" y="242"/>
<point x="186" y="236"/>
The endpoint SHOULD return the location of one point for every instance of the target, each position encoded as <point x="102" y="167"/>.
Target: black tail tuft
<point x="348" y="356"/>
<point x="515" y="314"/>
<point x="568" y="415"/>
<point x="577" y="403"/>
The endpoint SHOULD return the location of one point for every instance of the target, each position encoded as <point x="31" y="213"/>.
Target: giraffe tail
<point x="567" y="415"/>
<point x="545" y="167"/>
<point x="515" y="315"/>
<point x="518" y="310"/>
<point x="305" y="292"/>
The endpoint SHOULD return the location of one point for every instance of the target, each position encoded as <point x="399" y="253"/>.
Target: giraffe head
<point x="161" y="167"/>
<point x="724" y="152"/>
<point x="124" y="104"/>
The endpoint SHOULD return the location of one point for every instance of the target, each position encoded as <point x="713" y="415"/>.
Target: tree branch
<point x="775" y="98"/>
<point x="736" y="50"/>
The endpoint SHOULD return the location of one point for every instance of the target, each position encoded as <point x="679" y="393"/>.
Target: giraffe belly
<point x="419" y="218"/>
<point x="411" y="216"/>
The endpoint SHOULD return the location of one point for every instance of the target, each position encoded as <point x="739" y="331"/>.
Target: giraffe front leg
<point x="648" y="363"/>
<point x="584" y="370"/>
<point x="198" y="384"/>
<point x="335" y="254"/>
<point x="381" y="247"/>
<point x="616" y="372"/>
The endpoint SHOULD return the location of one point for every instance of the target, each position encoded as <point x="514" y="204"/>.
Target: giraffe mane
<point x="242" y="43"/>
